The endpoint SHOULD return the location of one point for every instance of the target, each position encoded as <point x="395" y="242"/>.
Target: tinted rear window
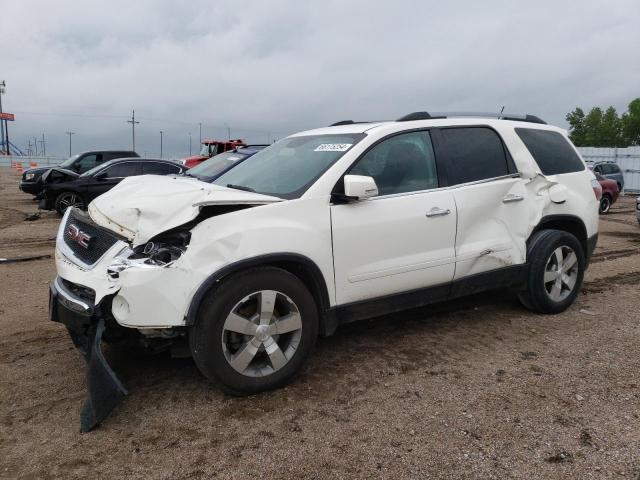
<point x="157" y="168"/>
<point x="473" y="154"/>
<point x="551" y="151"/>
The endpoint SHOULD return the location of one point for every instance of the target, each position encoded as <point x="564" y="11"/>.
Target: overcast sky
<point x="267" y="69"/>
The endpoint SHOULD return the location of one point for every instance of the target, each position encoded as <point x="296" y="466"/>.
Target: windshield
<point x="212" y="168"/>
<point x="289" y="167"/>
<point x="69" y="161"/>
<point x="93" y="170"/>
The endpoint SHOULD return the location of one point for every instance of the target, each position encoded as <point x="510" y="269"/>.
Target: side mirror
<point x="101" y="176"/>
<point x="359" y="187"/>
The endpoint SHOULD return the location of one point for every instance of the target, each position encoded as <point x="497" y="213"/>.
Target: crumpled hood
<point x="140" y="207"/>
<point x="67" y="174"/>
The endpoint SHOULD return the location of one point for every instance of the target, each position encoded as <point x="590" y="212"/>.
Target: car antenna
<point x="500" y="113"/>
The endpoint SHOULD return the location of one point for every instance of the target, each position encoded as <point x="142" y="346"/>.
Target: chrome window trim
<point x="450" y="187"/>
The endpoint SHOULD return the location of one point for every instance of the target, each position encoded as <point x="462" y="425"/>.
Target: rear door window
<point x="125" y="169"/>
<point x="472" y="154"/>
<point x="159" y="168"/>
<point x="551" y="151"/>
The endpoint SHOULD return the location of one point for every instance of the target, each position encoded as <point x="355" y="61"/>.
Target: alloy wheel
<point x="561" y="273"/>
<point x="70" y="200"/>
<point x="261" y="333"/>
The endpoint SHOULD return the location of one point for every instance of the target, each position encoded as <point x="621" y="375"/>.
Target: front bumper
<point x="30" y="187"/>
<point x="86" y="325"/>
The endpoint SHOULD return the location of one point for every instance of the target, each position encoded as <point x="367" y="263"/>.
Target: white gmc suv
<point x="323" y="227"/>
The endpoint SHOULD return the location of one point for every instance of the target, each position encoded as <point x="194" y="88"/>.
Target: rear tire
<point x="66" y="200"/>
<point x="605" y="204"/>
<point x="556" y="269"/>
<point x="254" y="332"/>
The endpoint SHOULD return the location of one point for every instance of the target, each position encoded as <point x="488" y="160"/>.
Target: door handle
<point x="511" y="197"/>
<point x="438" y="212"/>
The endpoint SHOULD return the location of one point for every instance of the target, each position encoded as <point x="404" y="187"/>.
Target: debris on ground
<point x="528" y="355"/>
<point x="27" y="258"/>
<point x="560" y="457"/>
<point x="32" y="217"/>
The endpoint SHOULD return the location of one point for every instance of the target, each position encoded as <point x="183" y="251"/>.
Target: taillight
<point x="597" y="188"/>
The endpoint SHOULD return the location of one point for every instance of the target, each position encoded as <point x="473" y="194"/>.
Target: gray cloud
<point x="269" y="68"/>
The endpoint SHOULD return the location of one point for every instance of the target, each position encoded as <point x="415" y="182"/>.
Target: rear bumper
<point x="591" y="246"/>
<point x="85" y="323"/>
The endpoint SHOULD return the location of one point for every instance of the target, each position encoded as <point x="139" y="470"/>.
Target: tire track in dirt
<point x="10" y="217"/>
<point x="604" y="284"/>
<point x="613" y="254"/>
<point x="32" y="242"/>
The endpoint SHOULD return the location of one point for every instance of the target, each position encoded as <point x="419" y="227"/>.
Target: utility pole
<point x="228" y="131"/>
<point x="189" y="143"/>
<point x="70" y="133"/>
<point x="200" y="125"/>
<point x="2" y="85"/>
<point x="160" y="143"/>
<point x="35" y="144"/>
<point x="44" y="149"/>
<point x="133" y="123"/>
<point x="5" y="132"/>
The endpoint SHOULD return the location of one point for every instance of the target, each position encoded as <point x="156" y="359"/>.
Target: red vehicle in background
<point x="610" y="192"/>
<point x="211" y="148"/>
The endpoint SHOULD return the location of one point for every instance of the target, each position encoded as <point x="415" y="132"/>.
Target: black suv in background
<point x="79" y="163"/>
<point x="63" y="188"/>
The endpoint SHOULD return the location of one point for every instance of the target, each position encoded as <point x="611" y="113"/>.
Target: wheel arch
<point x="566" y="223"/>
<point x="302" y="267"/>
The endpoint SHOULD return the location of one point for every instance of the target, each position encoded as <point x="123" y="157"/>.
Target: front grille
<point x="85" y="293"/>
<point x="99" y="239"/>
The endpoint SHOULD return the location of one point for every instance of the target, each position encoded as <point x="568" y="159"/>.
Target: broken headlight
<point x="163" y="249"/>
<point x="159" y="251"/>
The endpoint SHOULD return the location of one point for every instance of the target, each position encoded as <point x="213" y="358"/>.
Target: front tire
<point x="66" y="200"/>
<point x="254" y="331"/>
<point x="605" y="204"/>
<point x="556" y="269"/>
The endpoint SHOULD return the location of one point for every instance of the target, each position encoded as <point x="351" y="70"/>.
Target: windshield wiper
<point x="240" y="187"/>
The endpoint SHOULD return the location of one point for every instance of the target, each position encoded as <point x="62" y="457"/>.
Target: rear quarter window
<point x="551" y="151"/>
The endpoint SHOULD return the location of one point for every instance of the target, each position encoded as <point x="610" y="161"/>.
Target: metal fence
<point x="628" y="159"/>
<point x="25" y="161"/>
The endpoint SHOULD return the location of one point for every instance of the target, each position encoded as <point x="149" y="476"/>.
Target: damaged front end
<point x="72" y="306"/>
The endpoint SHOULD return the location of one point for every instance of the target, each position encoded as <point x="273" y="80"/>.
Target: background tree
<point x="605" y="129"/>
<point x="631" y="123"/>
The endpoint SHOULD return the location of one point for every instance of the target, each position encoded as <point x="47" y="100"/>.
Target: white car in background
<point x="324" y="227"/>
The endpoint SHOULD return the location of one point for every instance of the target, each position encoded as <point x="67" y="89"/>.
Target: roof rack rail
<point x="345" y="122"/>
<point x="417" y="116"/>
<point x="499" y="116"/>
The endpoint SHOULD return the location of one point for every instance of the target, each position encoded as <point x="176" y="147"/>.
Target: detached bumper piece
<point x="86" y="327"/>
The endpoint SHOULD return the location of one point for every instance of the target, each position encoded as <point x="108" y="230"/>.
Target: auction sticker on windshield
<point x="333" y="147"/>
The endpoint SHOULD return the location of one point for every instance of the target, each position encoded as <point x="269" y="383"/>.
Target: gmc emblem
<point x="78" y="236"/>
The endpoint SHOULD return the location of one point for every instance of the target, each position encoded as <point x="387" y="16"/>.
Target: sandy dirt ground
<point x="475" y="389"/>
